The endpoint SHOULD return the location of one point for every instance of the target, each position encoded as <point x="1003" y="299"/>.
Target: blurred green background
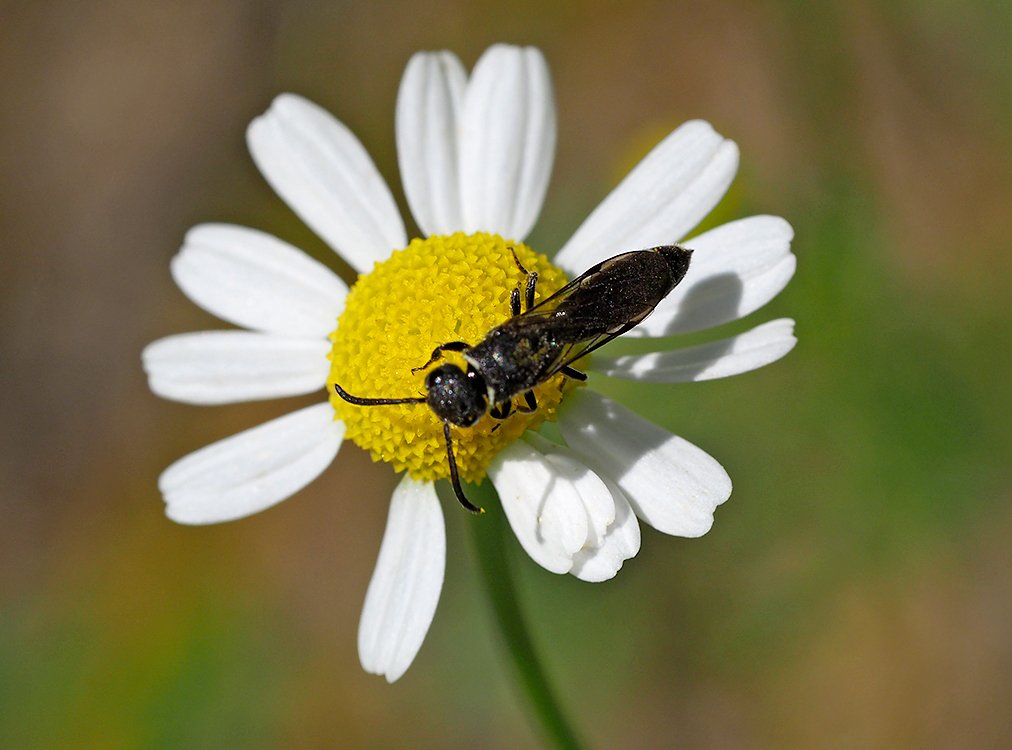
<point x="854" y="593"/>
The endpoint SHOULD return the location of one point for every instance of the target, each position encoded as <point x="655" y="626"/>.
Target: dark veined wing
<point x="616" y="291"/>
<point x="606" y="301"/>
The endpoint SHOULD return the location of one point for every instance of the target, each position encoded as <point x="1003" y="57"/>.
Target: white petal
<point x="507" y="141"/>
<point x="664" y="197"/>
<point x="257" y="281"/>
<point x="325" y="175"/>
<point x="614" y="534"/>
<point x="220" y="367"/>
<point x="544" y="509"/>
<point x="428" y="111"/>
<point x="670" y="483"/>
<point x="594" y="493"/>
<point x="621" y="543"/>
<point x="736" y="268"/>
<point x="719" y="359"/>
<point x="405" y="586"/>
<point x="253" y="470"/>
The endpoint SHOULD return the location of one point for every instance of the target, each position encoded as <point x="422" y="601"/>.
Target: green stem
<point x="488" y="532"/>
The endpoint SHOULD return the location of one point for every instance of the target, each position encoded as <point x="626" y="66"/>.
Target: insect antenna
<point x="451" y="459"/>
<point x="454" y="477"/>
<point x="359" y="401"/>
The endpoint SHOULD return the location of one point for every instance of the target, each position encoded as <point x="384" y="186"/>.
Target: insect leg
<point x="358" y="401"/>
<point x="501" y="411"/>
<point x="454" y="477"/>
<point x="452" y="346"/>
<point x="532" y="285"/>
<point x="520" y="265"/>
<point x="515" y="302"/>
<point x="531" y="403"/>
<point x="573" y="373"/>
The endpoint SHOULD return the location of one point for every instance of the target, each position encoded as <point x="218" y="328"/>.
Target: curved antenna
<point x="451" y="459"/>
<point x="359" y="401"/>
<point x="454" y="477"/>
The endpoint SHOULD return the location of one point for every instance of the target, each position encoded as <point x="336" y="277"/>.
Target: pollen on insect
<point x="442" y="288"/>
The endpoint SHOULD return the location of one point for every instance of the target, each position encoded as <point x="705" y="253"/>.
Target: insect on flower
<point x="605" y="301"/>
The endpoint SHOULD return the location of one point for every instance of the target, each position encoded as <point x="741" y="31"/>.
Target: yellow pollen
<point x="440" y="289"/>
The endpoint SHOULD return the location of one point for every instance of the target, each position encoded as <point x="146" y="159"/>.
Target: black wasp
<point x="544" y="340"/>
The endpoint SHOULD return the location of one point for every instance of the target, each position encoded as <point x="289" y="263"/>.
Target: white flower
<point x="475" y="156"/>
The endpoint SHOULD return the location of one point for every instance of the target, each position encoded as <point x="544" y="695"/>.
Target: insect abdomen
<point x="677" y="259"/>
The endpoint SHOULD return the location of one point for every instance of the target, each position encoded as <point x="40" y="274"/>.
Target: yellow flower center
<point x="436" y="290"/>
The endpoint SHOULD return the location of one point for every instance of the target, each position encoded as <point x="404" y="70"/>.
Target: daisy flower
<point x="475" y="154"/>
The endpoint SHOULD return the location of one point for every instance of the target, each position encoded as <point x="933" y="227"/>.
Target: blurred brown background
<point x="854" y="593"/>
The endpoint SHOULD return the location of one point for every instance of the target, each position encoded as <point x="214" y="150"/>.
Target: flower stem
<point x="488" y="534"/>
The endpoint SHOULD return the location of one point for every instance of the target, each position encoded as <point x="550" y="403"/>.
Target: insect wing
<point x="585" y="314"/>
<point x="580" y="290"/>
<point x="606" y="301"/>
